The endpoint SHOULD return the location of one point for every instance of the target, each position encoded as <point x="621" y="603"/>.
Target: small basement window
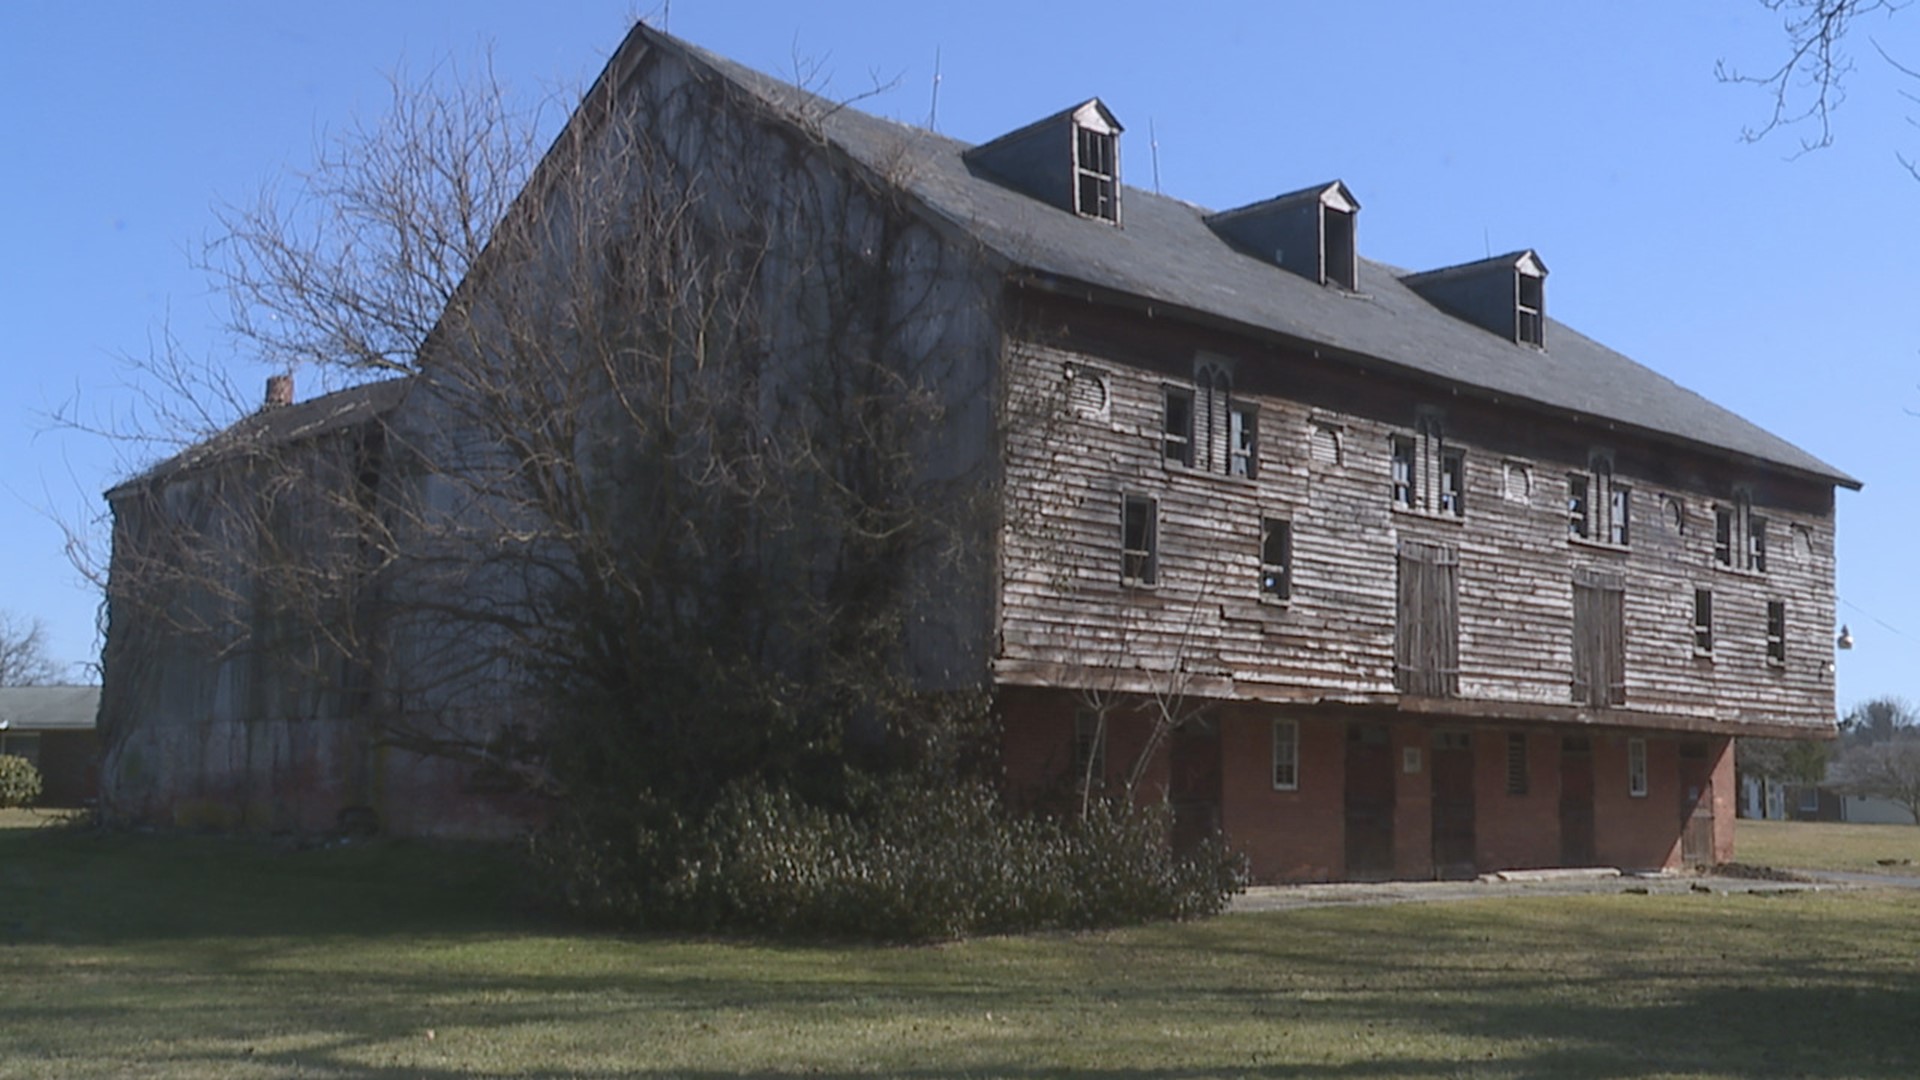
<point x="1139" y="541"/>
<point x="1096" y="168"/>
<point x="1637" y="768"/>
<point x="1276" y="559"/>
<point x="1286" y="755"/>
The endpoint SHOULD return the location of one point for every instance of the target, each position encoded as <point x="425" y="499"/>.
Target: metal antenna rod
<point x="933" y="110"/>
<point x="1153" y="143"/>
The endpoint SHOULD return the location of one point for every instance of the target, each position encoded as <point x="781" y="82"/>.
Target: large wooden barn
<point x="1377" y="573"/>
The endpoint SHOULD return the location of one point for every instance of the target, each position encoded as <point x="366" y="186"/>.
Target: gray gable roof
<point x="278" y="426"/>
<point x="1167" y="256"/>
<point x="48" y="708"/>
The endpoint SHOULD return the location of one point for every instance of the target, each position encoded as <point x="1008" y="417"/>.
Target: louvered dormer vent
<point x="1310" y="232"/>
<point x="1070" y="160"/>
<point x="1506" y="294"/>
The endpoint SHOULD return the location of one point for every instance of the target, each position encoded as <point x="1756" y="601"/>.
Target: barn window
<point x="1598" y="507"/>
<point x="1276" y="559"/>
<point x="1740" y="536"/>
<point x="1404" y="489"/>
<point x="1286" y="755"/>
<point x="1427" y="628"/>
<point x="1177" y="428"/>
<point x="1516" y="764"/>
<point x="1599" y="639"/>
<point x="1212" y="397"/>
<point x="1243" y="440"/>
<point x="1338" y="264"/>
<point x="1327" y="444"/>
<point x="1096" y="162"/>
<point x="1428" y="475"/>
<point x="1637" y="768"/>
<point x="1579" y="510"/>
<point x="1703" y="622"/>
<point x="1205" y="428"/>
<point x="1619" y="506"/>
<point x="1453" y="483"/>
<point x="1530" y="314"/>
<point x="1088" y="392"/>
<point x="1777" y="632"/>
<point x="1139" y="541"/>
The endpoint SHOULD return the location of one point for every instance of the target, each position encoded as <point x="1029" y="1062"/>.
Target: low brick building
<point x="53" y="727"/>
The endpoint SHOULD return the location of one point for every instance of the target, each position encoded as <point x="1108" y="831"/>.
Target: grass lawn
<point x="201" y="957"/>
<point x="1828" y="845"/>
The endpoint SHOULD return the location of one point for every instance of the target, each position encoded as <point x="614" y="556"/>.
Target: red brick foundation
<point x="1300" y="834"/>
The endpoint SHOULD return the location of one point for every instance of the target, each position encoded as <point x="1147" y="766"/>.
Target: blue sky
<point x="1597" y="134"/>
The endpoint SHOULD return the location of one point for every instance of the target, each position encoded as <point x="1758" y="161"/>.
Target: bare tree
<point x="1887" y="770"/>
<point x="1880" y="757"/>
<point x="1809" y="85"/>
<point x="1880" y="720"/>
<point x="1792" y="761"/>
<point x="23" y="653"/>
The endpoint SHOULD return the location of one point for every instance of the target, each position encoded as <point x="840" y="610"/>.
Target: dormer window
<point x="1069" y="160"/>
<point x="1530" y="309"/>
<point x="1310" y="232"/>
<point x="1506" y="294"/>
<point x="1096" y="173"/>
<point x="1340" y="261"/>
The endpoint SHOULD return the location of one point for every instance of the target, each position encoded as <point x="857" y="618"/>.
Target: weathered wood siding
<point x="1324" y="435"/>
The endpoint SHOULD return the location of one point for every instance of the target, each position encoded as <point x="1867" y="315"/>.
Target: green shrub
<point x="19" y="781"/>
<point x="904" y="862"/>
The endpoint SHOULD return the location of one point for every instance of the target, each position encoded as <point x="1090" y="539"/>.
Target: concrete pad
<point x="1568" y="873"/>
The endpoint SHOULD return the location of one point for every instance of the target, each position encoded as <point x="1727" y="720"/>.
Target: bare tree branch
<point x="1809" y="85"/>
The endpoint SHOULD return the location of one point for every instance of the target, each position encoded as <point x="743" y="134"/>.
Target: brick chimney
<point x="279" y="391"/>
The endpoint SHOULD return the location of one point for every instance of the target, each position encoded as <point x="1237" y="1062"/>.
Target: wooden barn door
<point x="1576" y="801"/>
<point x="1453" y="839"/>
<point x="1194" y="790"/>
<point x="1696" y="805"/>
<point x="1599" y="638"/>
<point x="1369" y="798"/>
<point x="1426" y="644"/>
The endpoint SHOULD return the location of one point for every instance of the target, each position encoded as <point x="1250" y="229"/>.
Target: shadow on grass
<point x="77" y="885"/>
